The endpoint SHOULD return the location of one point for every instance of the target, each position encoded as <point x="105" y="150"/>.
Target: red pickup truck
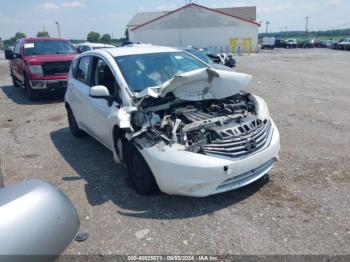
<point x="40" y="64"/>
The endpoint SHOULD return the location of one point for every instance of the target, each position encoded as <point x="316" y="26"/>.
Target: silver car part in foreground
<point x="35" y="219"/>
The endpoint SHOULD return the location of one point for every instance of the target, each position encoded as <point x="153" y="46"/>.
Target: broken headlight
<point x="262" y="110"/>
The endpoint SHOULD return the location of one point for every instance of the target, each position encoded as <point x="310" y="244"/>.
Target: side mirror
<point x="9" y="54"/>
<point x="102" y="93"/>
<point x="16" y="56"/>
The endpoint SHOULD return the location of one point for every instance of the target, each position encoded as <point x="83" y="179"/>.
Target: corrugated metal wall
<point x="200" y="28"/>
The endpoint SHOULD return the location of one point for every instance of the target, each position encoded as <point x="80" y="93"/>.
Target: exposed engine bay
<point x="226" y="128"/>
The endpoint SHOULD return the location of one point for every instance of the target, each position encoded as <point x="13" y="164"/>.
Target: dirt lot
<point x="302" y="207"/>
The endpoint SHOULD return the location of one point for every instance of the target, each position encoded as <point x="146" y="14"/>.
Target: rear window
<point x="44" y="47"/>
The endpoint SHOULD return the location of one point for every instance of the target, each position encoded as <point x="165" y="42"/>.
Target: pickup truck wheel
<point x="139" y="172"/>
<point x="14" y="80"/>
<point x="32" y="94"/>
<point x="73" y="125"/>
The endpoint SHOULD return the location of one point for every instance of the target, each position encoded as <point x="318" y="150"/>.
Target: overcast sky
<point x="79" y="17"/>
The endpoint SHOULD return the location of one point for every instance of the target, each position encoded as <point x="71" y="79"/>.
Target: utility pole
<point x="267" y="26"/>
<point x="307" y="26"/>
<point x="58" y="29"/>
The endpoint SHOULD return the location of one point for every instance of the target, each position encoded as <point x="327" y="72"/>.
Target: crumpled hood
<point x="201" y="84"/>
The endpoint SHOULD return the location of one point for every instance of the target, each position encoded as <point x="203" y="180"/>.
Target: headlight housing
<point x="262" y="110"/>
<point x="36" y="70"/>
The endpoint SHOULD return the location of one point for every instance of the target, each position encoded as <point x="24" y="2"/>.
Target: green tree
<point x="43" y="34"/>
<point x="106" y="38"/>
<point x="12" y="40"/>
<point x="19" y="35"/>
<point x="126" y="34"/>
<point x="93" y="37"/>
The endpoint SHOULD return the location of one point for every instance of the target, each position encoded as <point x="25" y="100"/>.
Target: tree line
<point x="12" y="40"/>
<point x="93" y="37"/>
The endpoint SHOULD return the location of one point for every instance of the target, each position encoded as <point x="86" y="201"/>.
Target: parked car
<point x="344" y="44"/>
<point x="177" y="123"/>
<point x="317" y="43"/>
<point x="10" y="48"/>
<point x="280" y="43"/>
<point x="291" y="43"/>
<point x="219" y="57"/>
<point x="85" y="47"/>
<point x="326" y="43"/>
<point x="300" y="44"/>
<point x="40" y="64"/>
<point x="205" y="58"/>
<point x="227" y="59"/>
<point x="306" y="44"/>
<point x="268" y="43"/>
<point x="334" y="45"/>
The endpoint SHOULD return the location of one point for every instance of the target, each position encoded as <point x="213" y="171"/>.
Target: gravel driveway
<point x="301" y="207"/>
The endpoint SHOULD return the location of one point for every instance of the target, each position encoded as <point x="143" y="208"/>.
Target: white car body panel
<point x="200" y="84"/>
<point x="208" y="84"/>
<point x="177" y="171"/>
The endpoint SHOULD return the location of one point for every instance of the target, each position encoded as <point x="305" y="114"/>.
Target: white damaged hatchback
<point x="176" y="123"/>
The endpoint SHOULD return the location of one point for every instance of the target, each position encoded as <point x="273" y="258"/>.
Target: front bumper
<point x="180" y="172"/>
<point x="58" y="84"/>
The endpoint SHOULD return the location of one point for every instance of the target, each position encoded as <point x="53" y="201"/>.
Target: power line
<point x="340" y="26"/>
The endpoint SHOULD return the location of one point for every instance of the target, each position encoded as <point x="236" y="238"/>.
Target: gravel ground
<point x="301" y="207"/>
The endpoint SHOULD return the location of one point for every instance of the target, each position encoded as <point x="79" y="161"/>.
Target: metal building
<point x="229" y="29"/>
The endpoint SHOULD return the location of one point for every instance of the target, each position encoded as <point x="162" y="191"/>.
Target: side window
<point x="16" y="51"/>
<point x="85" y="48"/>
<point x="82" y="73"/>
<point x="102" y="75"/>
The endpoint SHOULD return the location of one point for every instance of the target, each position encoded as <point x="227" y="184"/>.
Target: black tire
<point x="73" y="125"/>
<point x="14" y="80"/>
<point x="140" y="174"/>
<point x="32" y="94"/>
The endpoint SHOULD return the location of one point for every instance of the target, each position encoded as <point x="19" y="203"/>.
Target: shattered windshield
<point x="147" y="70"/>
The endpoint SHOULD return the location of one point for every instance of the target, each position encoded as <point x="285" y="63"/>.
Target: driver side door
<point x="100" y="110"/>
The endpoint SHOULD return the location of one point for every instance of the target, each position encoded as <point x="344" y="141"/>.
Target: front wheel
<point x="14" y="80"/>
<point x="139" y="172"/>
<point x="32" y="94"/>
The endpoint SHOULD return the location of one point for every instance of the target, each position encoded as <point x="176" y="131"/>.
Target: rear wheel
<point x="139" y="172"/>
<point x="32" y="94"/>
<point x="73" y="125"/>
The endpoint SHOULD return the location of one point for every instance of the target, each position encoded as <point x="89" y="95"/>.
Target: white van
<point x="268" y="43"/>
